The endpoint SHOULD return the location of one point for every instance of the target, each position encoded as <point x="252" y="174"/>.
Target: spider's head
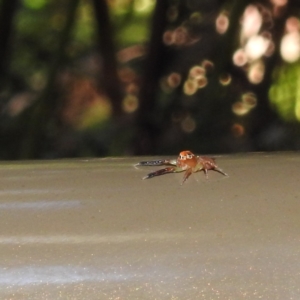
<point x="186" y="159"/>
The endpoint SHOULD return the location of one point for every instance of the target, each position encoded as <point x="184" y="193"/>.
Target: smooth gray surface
<point x="92" y="229"/>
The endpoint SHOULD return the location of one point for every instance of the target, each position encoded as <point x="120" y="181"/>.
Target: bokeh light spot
<point x="190" y="87"/>
<point x="130" y="103"/>
<point x="98" y="112"/>
<point x="168" y="37"/>
<point x="249" y="99"/>
<point x="240" y="58"/>
<point x="143" y="5"/>
<point x="240" y="109"/>
<point x="197" y="72"/>
<point x="196" y="18"/>
<point x="251" y="22"/>
<point x="256" y="47"/>
<point x="18" y="103"/>
<point x="174" y="80"/>
<point x="222" y="23"/>
<point x="132" y="88"/>
<point x="256" y="72"/>
<point x="188" y="124"/>
<point x="180" y="36"/>
<point x="238" y="130"/>
<point x="279" y="2"/>
<point x="292" y="24"/>
<point x="290" y="47"/>
<point x="38" y="81"/>
<point x="202" y="82"/>
<point x="225" y="79"/>
<point x="207" y="65"/>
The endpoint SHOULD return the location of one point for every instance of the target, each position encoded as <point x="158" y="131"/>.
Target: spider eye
<point x="182" y="157"/>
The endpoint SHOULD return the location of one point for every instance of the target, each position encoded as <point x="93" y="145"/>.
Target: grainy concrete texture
<point x="92" y="229"/>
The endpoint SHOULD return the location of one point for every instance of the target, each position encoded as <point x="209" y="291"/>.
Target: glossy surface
<point x="92" y="229"/>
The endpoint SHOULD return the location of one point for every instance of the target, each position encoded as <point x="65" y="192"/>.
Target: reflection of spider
<point x="186" y="161"/>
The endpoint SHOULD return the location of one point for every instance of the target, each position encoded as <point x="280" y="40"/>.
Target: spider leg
<point x="220" y="171"/>
<point x="159" y="162"/>
<point x="209" y="163"/>
<point x="162" y="172"/>
<point x="205" y="172"/>
<point x="213" y="169"/>
<point x="186" y="175"/>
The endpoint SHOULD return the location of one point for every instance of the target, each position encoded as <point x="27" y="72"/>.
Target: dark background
<point x="129" y="77"/>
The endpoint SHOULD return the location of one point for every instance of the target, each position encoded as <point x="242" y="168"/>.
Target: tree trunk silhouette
<point x="146" y="120"/>
<point x="109" y="80"/>
<point x="8" y="10"/>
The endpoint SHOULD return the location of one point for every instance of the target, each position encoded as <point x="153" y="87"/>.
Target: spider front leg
<point x="214" y="169"/>
<point x="163" y="172"/>
<point x="186" y="175"/>
<point x="205" y="172"/>
<point x="220" y="171"/>
<point x="159" y="162"/>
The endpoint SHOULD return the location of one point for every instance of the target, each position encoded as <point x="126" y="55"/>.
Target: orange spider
<point x="186" y="161"/>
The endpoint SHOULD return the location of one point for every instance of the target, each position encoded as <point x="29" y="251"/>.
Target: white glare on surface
<point x="76" y="239"/>
<point x="58" y="274"/>
<point x="39" y="205"/>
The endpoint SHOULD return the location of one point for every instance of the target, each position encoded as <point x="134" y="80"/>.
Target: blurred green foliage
<point x="285" y="91"/>
<point x="35" y="4"/>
